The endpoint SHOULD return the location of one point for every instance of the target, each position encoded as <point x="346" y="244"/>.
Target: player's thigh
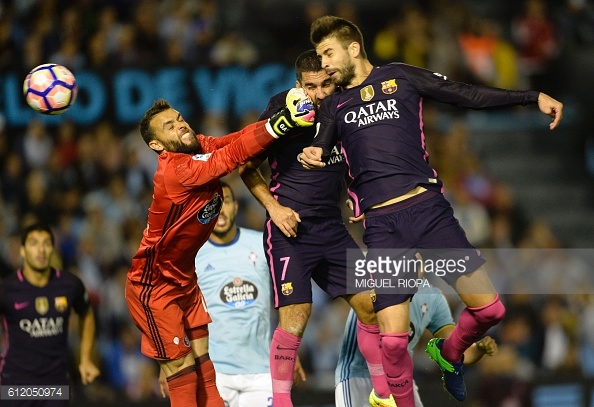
<point x="441" y="239"/>
<point x="362" y="304"/>
<point x="394" y="318"/>
<point x="339" y="251"/>
<point x="156" y="311"/>
<point x="475" y="289"/>
<point x="291" y="263"/>
<point x="256" y="390"/>
<point x="353" y="392"/>
<point x="229" y="388"/>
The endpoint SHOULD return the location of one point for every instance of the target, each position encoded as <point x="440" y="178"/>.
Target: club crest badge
<point x="389" y="86"/>
<point x="41" y="305"/>
<point x="367" y="93"/>
<point x="287" y="288"/>
<point x="61" y="304"/>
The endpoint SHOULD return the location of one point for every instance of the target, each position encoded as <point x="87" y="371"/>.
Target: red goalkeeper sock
<point x="207" y="394"/>
<point x="182" y="387"/>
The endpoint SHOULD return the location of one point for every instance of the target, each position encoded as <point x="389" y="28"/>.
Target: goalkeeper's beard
<point x="179" y="146"/>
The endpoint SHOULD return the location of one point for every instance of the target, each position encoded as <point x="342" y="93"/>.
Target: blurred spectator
<point x="66" y="148"/>
<point x="536" y="38"/>
<point x="128" y="371"/>
<point x="560" y="331"/>
<point x="37" y="145"/>
<point x="576" y="20"/>
<point x="490" y="59"/>
<point x="233" y="48"/>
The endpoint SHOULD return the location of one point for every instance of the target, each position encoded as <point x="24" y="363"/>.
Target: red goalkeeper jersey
<point x="187" y="199"/>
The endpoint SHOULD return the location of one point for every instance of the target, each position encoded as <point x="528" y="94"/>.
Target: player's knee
<point x="293" y="318"/>
<point x="394" y="346"/>
<point x="491" y="314"/>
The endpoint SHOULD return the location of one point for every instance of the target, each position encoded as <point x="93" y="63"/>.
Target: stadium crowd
<point x="93" y="184"/>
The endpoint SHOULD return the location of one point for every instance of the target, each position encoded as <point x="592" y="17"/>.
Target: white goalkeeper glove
<point x="299" y="111"/>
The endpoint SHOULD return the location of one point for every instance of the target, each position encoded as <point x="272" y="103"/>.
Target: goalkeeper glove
<point x="299" y="111"/>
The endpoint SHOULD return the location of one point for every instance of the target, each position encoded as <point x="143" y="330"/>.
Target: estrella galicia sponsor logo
<point x="373" y="112"/>
<point x="210" y="210"/>
<point x="239" y="293"/>
<point x="201" y="157"/>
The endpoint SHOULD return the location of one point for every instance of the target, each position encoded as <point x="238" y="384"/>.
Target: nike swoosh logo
<point x="340" y="104"/>
<point x="278" y="347"/>
<point x="20" y="305"/>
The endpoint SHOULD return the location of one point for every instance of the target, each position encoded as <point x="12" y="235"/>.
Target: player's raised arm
<point x="438" y="87"/>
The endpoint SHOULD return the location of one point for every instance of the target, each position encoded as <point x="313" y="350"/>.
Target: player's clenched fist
<point x="299" y="111"/>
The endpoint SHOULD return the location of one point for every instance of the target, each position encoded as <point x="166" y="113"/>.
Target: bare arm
<point x="283" y="217"/>
<point x="88" y="370"/>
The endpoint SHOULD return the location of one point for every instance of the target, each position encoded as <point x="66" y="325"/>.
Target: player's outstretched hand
<point x="311" y="158"/>
<point x="299" y="111"/>
<point x="88" y="371"/>
<point x="487" y="345"/>
<point x="303" y="111"/>
<point x="550" y="107"/>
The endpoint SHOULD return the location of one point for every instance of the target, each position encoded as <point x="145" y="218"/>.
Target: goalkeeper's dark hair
<point x="331" y="26"/>
<point x="307" y="62"/>
<point x="145" y="129"/>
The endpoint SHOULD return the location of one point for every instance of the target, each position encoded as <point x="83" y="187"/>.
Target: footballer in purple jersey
<point x="304" y="236"/>
<point x="378" y="117"/>
<point x="36" y="303"/>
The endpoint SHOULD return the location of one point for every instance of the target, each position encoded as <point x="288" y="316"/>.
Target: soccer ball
<point x="50" y="89"/>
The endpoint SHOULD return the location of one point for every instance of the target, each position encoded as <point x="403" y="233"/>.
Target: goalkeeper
<point x="163" y="297"/>
<point x="304" y="235"/>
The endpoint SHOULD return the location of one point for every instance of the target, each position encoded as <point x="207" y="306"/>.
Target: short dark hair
<point x="308" y="61"/>
<point x="36" y="227"/>
<point x="331" y="26"/>
<point x="225" y="185"/>
<point x="145" y="123"/>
